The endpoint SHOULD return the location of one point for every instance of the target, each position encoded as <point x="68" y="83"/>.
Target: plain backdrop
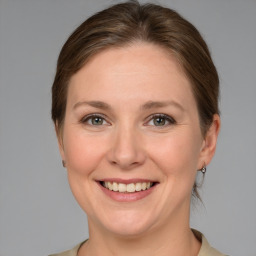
<point x="38" y="214"/>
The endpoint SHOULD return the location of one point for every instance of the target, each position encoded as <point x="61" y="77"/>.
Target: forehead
<point x="130" y="72"/>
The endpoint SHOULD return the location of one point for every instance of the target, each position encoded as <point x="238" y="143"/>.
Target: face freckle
<point x="148" y="132"/>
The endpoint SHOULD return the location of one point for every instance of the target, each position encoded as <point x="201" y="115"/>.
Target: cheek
<point x="83" y="153"/>
<point x="176" y="154"/>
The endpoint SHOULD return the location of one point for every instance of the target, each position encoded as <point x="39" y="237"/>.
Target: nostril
<point x="114" y="162"/>
<point x="125" y="165"/>
<point x="126" y="156"/>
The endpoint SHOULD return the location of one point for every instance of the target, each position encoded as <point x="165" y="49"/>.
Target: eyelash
<point x="85" y="119"/>
<point x="165" y="117"/>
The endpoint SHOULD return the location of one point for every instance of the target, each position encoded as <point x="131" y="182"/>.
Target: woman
<point x="135" y="106"/>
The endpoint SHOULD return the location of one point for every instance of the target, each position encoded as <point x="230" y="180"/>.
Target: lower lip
<point x="127" y="197"/>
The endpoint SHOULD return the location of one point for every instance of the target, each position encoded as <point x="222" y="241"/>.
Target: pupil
<point x="159" y="121"/>
<point x="97" y="121"/>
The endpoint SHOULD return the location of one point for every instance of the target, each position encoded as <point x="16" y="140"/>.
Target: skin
<point x="129" y="145"/>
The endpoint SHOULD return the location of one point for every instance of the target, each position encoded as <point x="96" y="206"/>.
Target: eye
<point x="94" y="120"/>
<point x="161" y="120"/>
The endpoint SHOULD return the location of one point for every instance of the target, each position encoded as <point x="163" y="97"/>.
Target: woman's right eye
<point x="94" y="120"/>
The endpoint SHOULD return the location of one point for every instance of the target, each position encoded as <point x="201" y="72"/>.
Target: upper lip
<point x="127" y="181"/>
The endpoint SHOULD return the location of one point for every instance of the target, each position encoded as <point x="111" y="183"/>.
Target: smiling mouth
<point x="127" y="188"/>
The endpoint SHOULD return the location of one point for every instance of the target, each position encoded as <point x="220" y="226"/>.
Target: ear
<point x="209" y="142"/>
<point x="59" y="133"/>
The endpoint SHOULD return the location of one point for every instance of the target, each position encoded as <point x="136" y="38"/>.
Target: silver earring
<point x="63" y="163"/>
<point x="203" y="170"/>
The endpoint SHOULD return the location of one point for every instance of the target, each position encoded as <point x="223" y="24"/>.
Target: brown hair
<point x="130" y="22"/>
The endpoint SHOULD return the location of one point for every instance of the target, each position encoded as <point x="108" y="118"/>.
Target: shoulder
<point x="72" y="252"/>
<point x="206" y="249"/>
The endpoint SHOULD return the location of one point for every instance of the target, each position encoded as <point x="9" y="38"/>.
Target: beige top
<point x="205" y="250"/>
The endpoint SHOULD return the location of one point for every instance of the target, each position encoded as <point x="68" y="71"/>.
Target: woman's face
<point x="132" y="141"/>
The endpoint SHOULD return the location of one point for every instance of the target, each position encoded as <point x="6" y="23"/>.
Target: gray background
<point x="38" y="214"/>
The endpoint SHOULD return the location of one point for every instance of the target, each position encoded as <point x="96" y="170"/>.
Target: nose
<point x="126" y="149"/>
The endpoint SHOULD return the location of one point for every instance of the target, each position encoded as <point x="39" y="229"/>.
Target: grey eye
<point x="159" y="121"/>
<point x="96" y="120"/>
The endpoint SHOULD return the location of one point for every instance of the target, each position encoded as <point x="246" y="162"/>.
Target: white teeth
<point x="122" y="187"/>
<point x="110" y="186"/>
<point x="130" y="188"/>
<point x="115" y="186"/>
<point x="138" y="187"/>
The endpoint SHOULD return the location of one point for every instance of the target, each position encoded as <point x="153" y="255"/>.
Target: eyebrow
<point x="160" y="104"/>
<point x="147" y="106"/>
<point x="95" y="104"/>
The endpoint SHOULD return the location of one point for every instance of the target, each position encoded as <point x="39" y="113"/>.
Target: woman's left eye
<point x="161" y="120"/>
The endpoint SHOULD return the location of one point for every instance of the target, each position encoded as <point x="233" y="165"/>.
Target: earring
<point x="203" y="170"/>
<point x="63" y="163"/>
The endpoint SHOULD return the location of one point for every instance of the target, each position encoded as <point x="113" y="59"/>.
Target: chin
<point x="126" y="230"/>
<point x="128" y="224"/>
